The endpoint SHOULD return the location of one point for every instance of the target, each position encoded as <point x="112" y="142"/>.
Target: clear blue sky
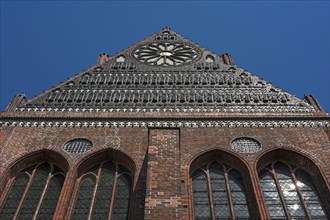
<point x="284" y="42"/>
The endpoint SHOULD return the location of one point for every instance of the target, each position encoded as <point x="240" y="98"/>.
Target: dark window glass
<point x="121" y="200"/>
<point x="224" y="187"/>
<point x="219" y="191"/>
<point x="104" y="191"/>
<point x="201" y="196"/>
<point x="14" y="197"/>
<point x="111" y="185"/>
<point x="34" y="193"/>
<point x="84" y="199"/>
<point x="238" y="195"/>
<point x="36" y="189"/>
<point x="289" y="193"/>
<point x="52" y="194"/>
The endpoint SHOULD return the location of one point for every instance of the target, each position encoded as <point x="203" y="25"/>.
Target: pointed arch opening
<point x="221" y="187"/>
<point x="33" y="186"/>
<point x="104" y="187"/>
<point x="293" y="186"/>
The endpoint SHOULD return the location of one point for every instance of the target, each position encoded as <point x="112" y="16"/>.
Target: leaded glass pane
<point x="289" y="191"/>
<point x="122" y="169"/>
<point x="294" y="187"/>
<point x="122" y="196"/>
<point x="49" y="203"/>
<point x="201" y="197"/>
<point x="219" y="192"/>
<point x="94" y="169"/>
<point x="34" y="193"/>
<point x="271" y="196"/>
<point x="14" y="197"/>
<point x="84" y="199"/>
<point x="105" y="177"/>
<point x="304" y="182"/>
<point x="30" y="170"/>
<point x="104" y="191"/>
<point x="78" y="146"/>
<point x="238" y="195"/>
<point x="56" y="169"/>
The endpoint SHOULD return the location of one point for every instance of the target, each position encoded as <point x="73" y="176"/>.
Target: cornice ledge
<point x="168" y="117"/>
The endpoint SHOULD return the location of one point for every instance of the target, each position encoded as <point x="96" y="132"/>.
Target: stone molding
<point x="161" y="123"/>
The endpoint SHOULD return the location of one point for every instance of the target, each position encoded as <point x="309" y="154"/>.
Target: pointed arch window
<point x="289" y="193"/>
<point x="103" y="192"/>
<point x="219" y="193"/>
<point x="33" y="193"/>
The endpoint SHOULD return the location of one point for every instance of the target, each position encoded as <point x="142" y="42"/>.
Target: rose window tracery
<point x="166" y="54"/>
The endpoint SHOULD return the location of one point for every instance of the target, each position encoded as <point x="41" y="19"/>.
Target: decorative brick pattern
<point x="163" y="196"/>
<point x="166" y="72"/>
<point x="245" y="145"/>
<point x="163" y="157"/>
<point x="161" y="123"/>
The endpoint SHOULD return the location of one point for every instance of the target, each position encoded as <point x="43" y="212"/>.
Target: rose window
<point x="166" y="54"/>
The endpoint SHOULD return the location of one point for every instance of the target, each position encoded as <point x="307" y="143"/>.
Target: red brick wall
<point x="162" y="158"/>
<point x="163" y="196"/>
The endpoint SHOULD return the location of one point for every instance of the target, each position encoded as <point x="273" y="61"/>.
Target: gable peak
<point x="167" y="72"/>
<point x="166" y="28"/>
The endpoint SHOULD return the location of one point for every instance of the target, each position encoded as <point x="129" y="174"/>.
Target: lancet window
<point x="219" y="193"/>
<point x="103" y="192"/>
<point x="290" y="193"/>
<point x="33" y="193"/>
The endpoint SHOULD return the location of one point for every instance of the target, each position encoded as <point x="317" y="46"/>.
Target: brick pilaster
<point x="163" y="194"/>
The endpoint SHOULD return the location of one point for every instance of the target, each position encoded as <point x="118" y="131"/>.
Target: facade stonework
<point x="159" y="113"/>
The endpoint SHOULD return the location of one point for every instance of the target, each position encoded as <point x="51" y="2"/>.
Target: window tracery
<point x="33" y="193"/>
<point x="77" y="146"/>
<point x="219" y="193"/>
<point x="103" y="192"/>
<point x="166" y="54"/>
<point x="289" y="193"/>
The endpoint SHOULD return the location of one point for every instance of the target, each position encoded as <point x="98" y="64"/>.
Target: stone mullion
<point x="6" y="190"/>
<point x="279" y="190"/>
<point x="69" y="190"/>
<point x="131" y="210"/>
<point x="259" y="209"/>
<point x="97" y="180"/>
<point x="113" y="193"/>
<point x="230" y="200"/>
<point x="24" y="194"/>
<point x="293" y="176"/>
<point x="50" y="176"/>
<point x="209" y="188"/>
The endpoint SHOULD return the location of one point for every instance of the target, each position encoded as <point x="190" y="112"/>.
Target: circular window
<point x="166" y="54"/>
<point x="77" y="146"/>
<point x="246" y="145"/>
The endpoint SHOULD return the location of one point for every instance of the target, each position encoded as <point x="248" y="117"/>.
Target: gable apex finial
<point x="166" y="28"/>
